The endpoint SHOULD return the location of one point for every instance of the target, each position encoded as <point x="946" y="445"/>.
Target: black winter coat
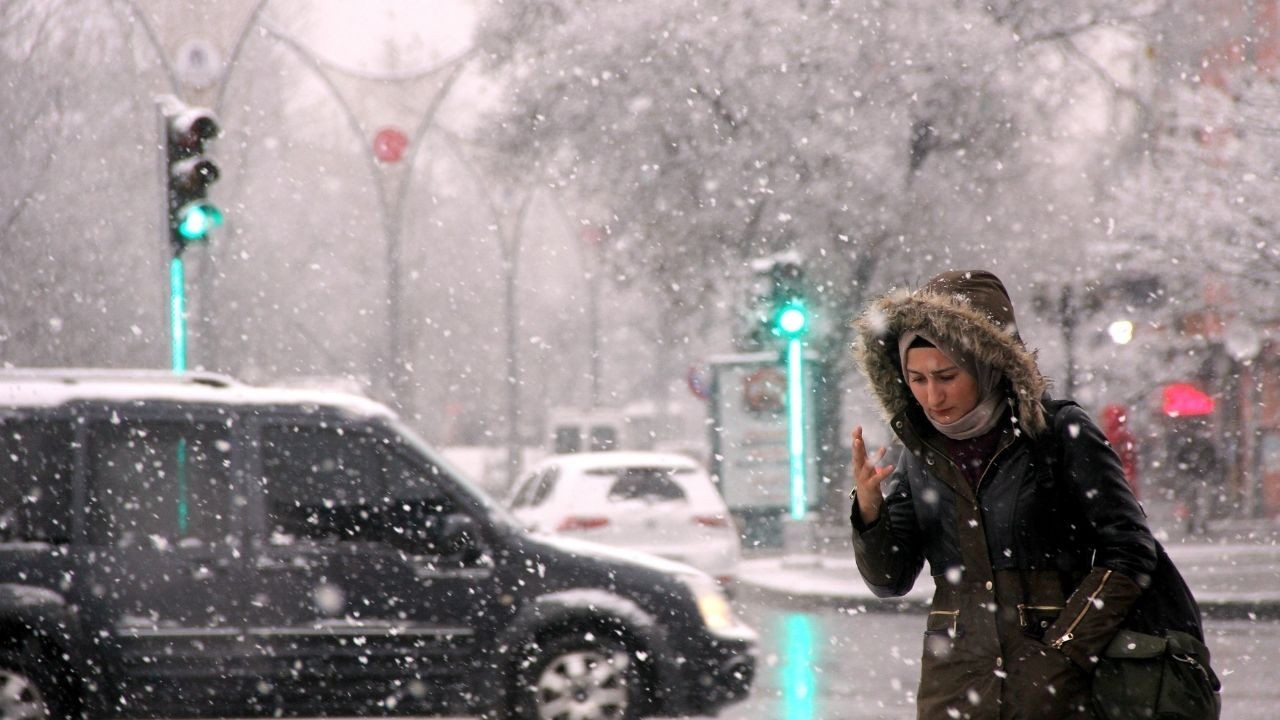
<point x="1037" y="566"/>
<point x="1019" y="565"/>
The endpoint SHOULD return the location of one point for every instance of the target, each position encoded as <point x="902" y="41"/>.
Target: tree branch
<point x="1070" y="46"/>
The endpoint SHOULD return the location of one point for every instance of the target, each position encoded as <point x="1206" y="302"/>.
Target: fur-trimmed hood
<point x="969" y="310"/>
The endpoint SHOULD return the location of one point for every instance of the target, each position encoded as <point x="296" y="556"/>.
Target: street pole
<point x="593" y="317"/>
<point x="1067" y="314"/>
<point x="178" y="313"/>
<point x="795" y="427"/>
<point x="510" y="243"/>
<point x="175" y="301"/>
<point x="513" y="371"/>
<point x="393" y="366"/>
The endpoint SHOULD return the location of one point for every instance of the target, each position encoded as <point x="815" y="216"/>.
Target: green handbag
<point x="1148" y="676"/>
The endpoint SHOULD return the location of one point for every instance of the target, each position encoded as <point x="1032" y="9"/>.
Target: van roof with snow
<point x="37" y="387"/>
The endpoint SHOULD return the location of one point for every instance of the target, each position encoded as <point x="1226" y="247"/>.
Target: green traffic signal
<point x="792" y="320"/>
<point x="189" y="171"/>
<point x="195" y="220"/>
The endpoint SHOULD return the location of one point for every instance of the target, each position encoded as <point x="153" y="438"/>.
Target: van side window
<point x="417" y="512"/>
<point x="158" y="482"/>
<point x="36" y="463"/>
<point x="407" y="480"/>
<point x="320" y="483"/>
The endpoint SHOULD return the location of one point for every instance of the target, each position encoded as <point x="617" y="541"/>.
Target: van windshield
<point x="492" y="507"/>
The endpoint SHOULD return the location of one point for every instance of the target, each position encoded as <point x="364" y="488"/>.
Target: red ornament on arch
<point x="389" y="145"/>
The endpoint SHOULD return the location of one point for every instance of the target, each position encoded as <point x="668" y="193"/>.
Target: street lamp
<point x="1121" y="332"/>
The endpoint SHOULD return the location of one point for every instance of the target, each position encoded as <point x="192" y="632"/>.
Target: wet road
<point x="827" y="664"/>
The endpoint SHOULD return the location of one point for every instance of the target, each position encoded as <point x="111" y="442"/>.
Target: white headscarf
<point x="986" y="413"/>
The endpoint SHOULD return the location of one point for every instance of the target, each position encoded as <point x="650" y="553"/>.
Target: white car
<point x="659" y="503"/>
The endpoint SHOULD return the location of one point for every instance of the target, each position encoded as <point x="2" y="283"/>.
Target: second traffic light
<point x="189" y="172"/>
<point x="777" y="303"/>
<point x="788" y="312"/>
<point x="791" y="319"/>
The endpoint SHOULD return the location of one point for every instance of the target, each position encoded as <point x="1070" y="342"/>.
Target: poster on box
<point x="750" y="434"/>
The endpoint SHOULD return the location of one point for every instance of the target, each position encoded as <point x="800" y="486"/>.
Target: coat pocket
<point x="941" y="631"/>
<point x="1035" y="619"/>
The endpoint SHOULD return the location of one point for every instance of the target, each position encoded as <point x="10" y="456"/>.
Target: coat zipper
<point x="990" y="463"/>
<point x="1069" y="635"/>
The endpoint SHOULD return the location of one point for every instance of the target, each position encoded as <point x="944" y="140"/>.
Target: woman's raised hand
<point x="867" y="477"/>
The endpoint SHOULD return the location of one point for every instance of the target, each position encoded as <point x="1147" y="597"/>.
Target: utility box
<point x="750" y="457"/>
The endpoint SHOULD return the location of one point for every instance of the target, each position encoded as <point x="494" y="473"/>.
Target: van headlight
<point x="714" y="608"/>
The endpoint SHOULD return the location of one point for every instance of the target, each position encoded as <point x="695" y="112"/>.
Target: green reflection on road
<point x="799" y="683"/>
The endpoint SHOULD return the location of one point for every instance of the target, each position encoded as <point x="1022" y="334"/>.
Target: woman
<point x="1036" y="545"/>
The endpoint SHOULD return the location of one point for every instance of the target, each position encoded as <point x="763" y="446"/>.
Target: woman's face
<point x="945" y="390"/>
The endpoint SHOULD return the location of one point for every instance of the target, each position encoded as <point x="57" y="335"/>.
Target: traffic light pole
<point x="791" y="322"/>
<point x="795" y="428"/>
<point x="178" y="313"/>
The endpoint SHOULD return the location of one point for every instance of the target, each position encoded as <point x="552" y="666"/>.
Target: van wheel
<point x="27" y="689"/>
<point x="580" y="676"/>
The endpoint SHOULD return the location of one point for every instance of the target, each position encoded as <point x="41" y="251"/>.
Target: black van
<point x="189" y="545"/>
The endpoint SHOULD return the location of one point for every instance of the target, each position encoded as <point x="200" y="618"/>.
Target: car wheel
<point x="579" y="677"/>
<point x="27" y="690"/>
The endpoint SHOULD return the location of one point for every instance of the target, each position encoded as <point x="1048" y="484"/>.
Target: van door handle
<point x="264" y="562"/>
<point x="206" y="568"/>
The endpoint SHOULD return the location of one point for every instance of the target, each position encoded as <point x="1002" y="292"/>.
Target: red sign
<point x="1186" y="400"/>
<point x="389" y="145"/>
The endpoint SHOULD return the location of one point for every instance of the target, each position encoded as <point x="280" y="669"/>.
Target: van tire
<point x="579" y="669"/>
<point x="31" y="676"/>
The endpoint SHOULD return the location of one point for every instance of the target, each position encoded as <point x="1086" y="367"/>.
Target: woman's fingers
<point x="859" y="451"/>
<point x="884" y="472"/>
<point x="866" y="471"/>
<point x="880" y="473"/>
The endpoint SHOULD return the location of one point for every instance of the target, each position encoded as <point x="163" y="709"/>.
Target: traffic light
<point x="189" y="173"/>
<point x="776" y="304"/>
<point x="791" y="319"/>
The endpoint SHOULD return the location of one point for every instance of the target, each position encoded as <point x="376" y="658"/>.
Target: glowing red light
<point x="1186" y="400"/>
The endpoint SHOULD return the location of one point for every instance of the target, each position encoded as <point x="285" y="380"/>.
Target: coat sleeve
<point x="888" y="551"/>
<point x="1124" y="549"/>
